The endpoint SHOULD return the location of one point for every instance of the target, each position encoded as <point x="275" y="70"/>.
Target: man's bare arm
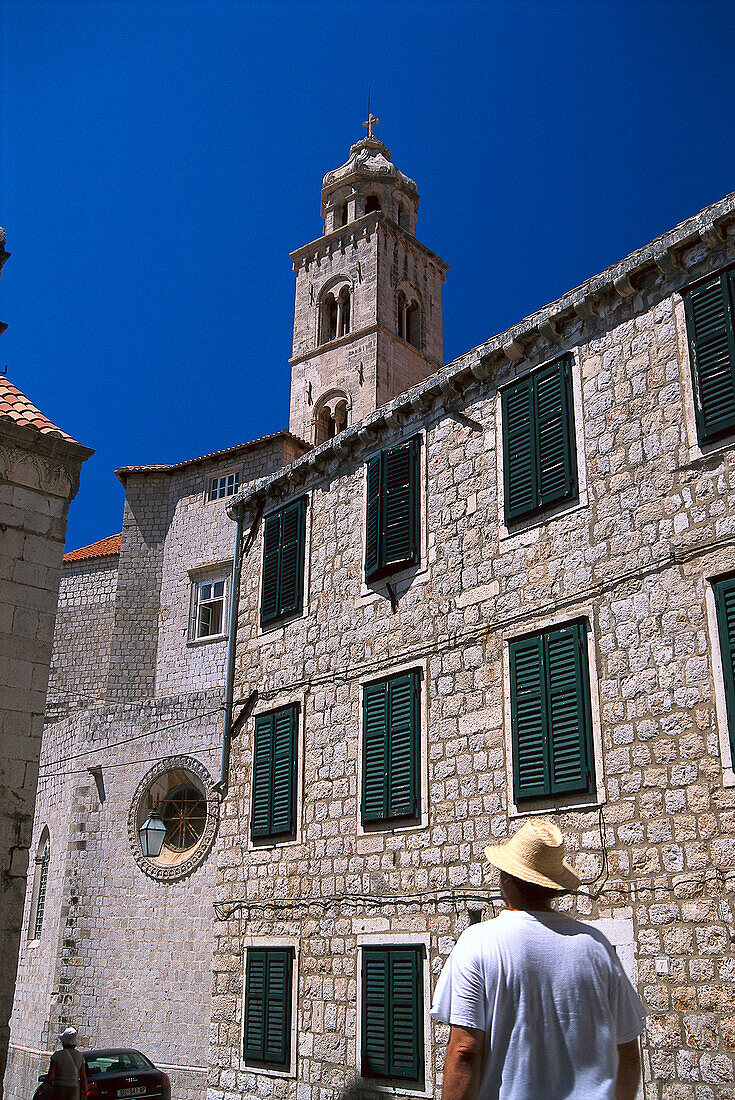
<point x="463" y="1063"/>
<point x="629" y="1071"/>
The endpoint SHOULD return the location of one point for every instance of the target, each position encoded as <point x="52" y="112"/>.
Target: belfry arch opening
<point x="409" y="319"/>
<point x="330" y="416"/>
<point x="335" y="314"/>
<point x="372" y="203"/>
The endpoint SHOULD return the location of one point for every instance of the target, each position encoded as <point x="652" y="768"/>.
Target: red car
<point x="123" y="1073"/>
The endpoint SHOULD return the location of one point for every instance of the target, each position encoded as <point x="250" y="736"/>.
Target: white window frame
<point x="275" y="942"/>
<point x="397" y="939"/>
<point x="388" y="827"/>
<point x="216" y="478"/>
<point x="198" y="579"/>
<point x="524" y="531"/>
<point x="718" y="678"/>
<point x="566" y="802"/>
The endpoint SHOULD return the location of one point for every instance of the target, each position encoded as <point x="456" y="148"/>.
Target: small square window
<point x="225" y="486"/>
<point x="208" y="608"/>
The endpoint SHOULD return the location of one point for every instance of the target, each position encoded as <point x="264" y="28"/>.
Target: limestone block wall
<point x="633" y="557"/>
<point x="39" y="475"/>
<point x="406" y="263"/>
<point x="84" y="621"/>
<point x="200" y="542"/>
<point x="124" y="957"/>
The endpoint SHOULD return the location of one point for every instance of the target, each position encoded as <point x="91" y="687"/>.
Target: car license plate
<point x="137" y="1091"/>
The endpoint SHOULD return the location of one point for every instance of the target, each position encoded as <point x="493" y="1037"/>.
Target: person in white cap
<point x="538" y="1003"/>
<point x="67" y="1072"/>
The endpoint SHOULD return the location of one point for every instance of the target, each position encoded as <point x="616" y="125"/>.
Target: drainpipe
<point x="224" y="776"/>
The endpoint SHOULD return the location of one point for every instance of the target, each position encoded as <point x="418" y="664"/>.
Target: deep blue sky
<point x="161" y="159"/>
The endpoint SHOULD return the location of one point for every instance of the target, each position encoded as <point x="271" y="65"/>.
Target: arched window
<point x="328" y="319"/>
<point x="334" y="315"/>
<point x="409" y="320"/>
<point x="330" y="418"/>
<point x="342" y="214"/>
<point x="372" y="203"/>
<point x="40" y="879"/>
<point x="343" y="311"/>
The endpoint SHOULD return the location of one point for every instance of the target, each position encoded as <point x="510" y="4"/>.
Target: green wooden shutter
<point x="372" y="518"/>
<point x="521" y="493"/>
<point x="291" y="579"/>
<point x="557" y="479"/>
<point x="400" y="500"/>
<point x="528" y="718"/>
<point x="568" y="710"/>
<point x="267" y="1007"/>
<point x="283" y="800"/>
<point x="253" y="1046"/>
<point x="403" y="745"/>
<point x="550" y="713"/>
<point x="375" y="751"/>
<point x="260" y="818"/>
<point x="277" y="1044"/>
<point x="271" y="558"/>
<point x="725" y="602"/>
<point x="709" y="317"/>
<point x="392" y="1010"/>
<point x="375" y="1012"/>
<point x="406" y="1031"/>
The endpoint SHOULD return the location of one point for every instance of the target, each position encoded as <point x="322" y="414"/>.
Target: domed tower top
<point x="369" y="181"/>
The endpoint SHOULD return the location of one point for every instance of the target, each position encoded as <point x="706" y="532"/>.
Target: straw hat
<point x="68" y="1038"/>
<point x="535" y="854"/>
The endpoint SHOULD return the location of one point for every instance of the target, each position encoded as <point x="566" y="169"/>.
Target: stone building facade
<point x="555" y="635"/>
<point x="39" y="476"/>
<point x="477" y="592"/>
<point x="116" y="943"/>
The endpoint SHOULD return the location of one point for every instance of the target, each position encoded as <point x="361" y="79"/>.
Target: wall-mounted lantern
<point x="152" y="834"/>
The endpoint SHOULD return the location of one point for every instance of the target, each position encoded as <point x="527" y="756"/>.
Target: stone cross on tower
<point x="371" y="121"/>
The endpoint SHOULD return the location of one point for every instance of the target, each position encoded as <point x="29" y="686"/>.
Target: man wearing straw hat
<point x="539" y="1005"/>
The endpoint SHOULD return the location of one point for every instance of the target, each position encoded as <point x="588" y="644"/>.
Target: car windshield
<point x="115" y="1061"/>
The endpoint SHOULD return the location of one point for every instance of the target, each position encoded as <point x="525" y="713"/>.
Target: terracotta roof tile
<point x="15" y="406"/>
<point x="104" y="548"/>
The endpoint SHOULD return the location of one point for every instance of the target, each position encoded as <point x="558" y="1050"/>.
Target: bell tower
<point x="368" y="312"/>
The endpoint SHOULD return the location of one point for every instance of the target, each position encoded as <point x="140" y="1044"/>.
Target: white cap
<point x="68" y="1038"/>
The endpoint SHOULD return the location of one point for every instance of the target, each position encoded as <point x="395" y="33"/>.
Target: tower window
<point x="43" y="857"/>
<point x="342" y="214"/>
<point x="409" y="320"/>
<point x="372" y="203"/>
<point x="335" y="316"/>
<point x="331" y="418"/>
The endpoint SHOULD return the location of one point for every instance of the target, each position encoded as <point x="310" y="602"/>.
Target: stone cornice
<point x="363" y="227"/>
<point x="549" y="331"/>
<point x="357" y="334"/>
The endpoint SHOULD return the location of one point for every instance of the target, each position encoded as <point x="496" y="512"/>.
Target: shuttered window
<point x="274" y="774"/>
<point x="391" y="748"/>
<point x="538" y="441"/>
<point x="392" y="1015"/>
<point x="283" y="562"/>
<point x="267" y="1006"/>
<point x="550" y="713"/>
<point x="392" y="521"/>
<point x="725" y="601"/>
<point x="709" y="312"/>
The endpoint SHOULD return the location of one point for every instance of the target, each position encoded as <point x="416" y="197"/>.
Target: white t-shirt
<point x="553" y="1000"/>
